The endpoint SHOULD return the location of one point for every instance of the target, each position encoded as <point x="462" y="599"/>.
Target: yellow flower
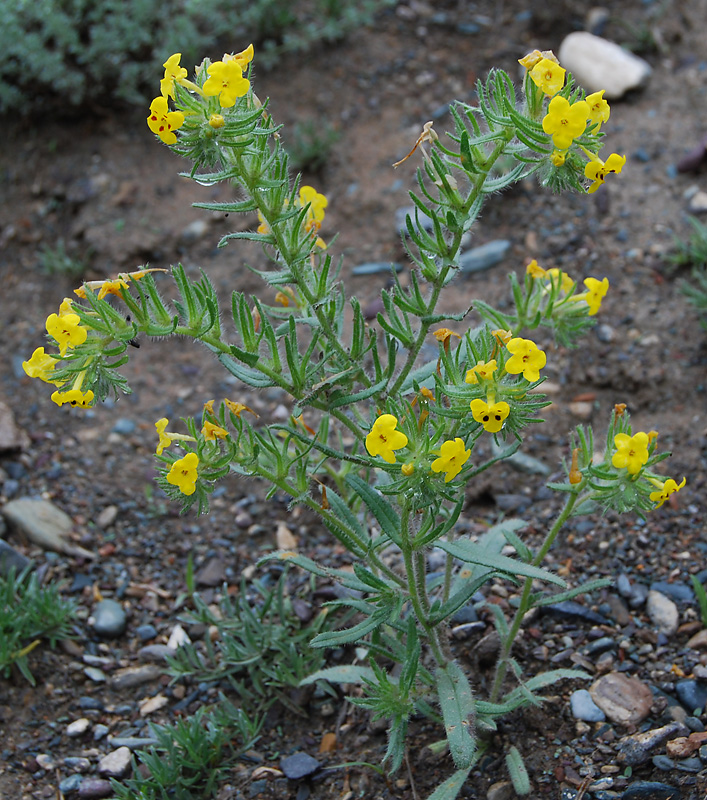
<point x="384" y="438"/>
<point x="452" y="457"/>
<point x="164" y="122"/>
<point x="596" y="291"/>
<point x="67" y="331"/>
<point x="41" y="365"/>
<point x="598" y="108"/>
<point x="408" y="469"/>
<point x="566" y="283"/>
<point x="501" y="336"/>
<point x="217" y="121"/>
<point x="172" y="72"/>
<point x="535" y="270"/>
<point x="597" y="170"/>
<point x="113" y="285"/>
<point x="74" y="397"/>
<point x="631" y="452"/>
<point x="558" y="157"/>
<point x="166" y="437"/>
<point x="548" y="75"/>
<point x="242" y="59"/>
<point x="444" y="335"/>
<point x="490" y="415"/>
<point x="211" y="432"/>
<point x="226" y="80"/>
<point x="237" y="408"/>
<point x="483" y="370"/>
<point x="665" y="489"/>
<point x="527" y="359"/>
<point x="308" y="195"/>
<point x="565" y="122"/>
<point x="428" y="394"/>
<point x="534" y="57"/>
<point x="184" y="473"/>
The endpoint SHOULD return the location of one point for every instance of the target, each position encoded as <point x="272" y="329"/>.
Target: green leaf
<point x="351" y="635"/>
<point x="474" y="553"/>
<point x="517" y="771"/>
<point x="457" y="706"/>
<point x="250" y="376"/>
<point x="451" y="787"/>
<point x="344" y="577"/>
<point x="337" y="400"/>
<point x="384" y="513"/>
<point x="347" y="673"/>
<point x="570" y="594"/>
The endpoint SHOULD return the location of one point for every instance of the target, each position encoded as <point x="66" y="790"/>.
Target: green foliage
<point x="191" y="755"/>
<point x="73" y="52"/>
<point x="29" y="612"/>
<point x="262" y="648"/>
<point x="693" y="252"/>
<point x="57" y="261"/>
<point x="701" y="596"/>
<point x="311" y="145"/>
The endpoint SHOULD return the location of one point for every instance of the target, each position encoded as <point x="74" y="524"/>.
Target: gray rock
<point x="99" y="732"/>
<point x="299" y="765"/>
<point x="651" y="790"/>
<point x="134" y="676"/>
<point x="43" y="524"/>
<point x="692" y="694"/>
<point x="698" y="203"/>
<point x="501" y="790"/>
<point x="663" y="762"/>
<point x="115" y="764"/>
<point x="572" y="609"/>
<point x="146" y="632"/>
<point x="12" y="437"/>
<point x="584" y="708"/>
<point x="109" y="619"/>
<point x="10" y="558"/>
<point x="597" y="64"/>
<point x="485" y="256"/>
<point x="663" y="613"/>
<point x="637" y="748"/>
<point x="376" y="268"/>
<point x="133" y="742"/>
<point x="94" y="788"/>
<point x="96" y="675"/>
<point x="77" y="763"/>
<point x="401" y="215"/>
<point x="155" y="652"/>
<point x="71" y="784"/>
<point x="124" y="426"/>
<point x="213" y="572"/>
<point x="680" y="592"/>
<point x="194" y="231"/>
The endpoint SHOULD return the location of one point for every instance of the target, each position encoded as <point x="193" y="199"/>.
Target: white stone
<point x="78" y="727"/>
<point x="597" y="64"/>
<point x="115" y="764"/>
<point x="663" y="612"/>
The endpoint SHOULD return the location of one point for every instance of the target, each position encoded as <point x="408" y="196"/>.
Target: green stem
<point x="447" y="264"/>
<point x="524" y="605"/>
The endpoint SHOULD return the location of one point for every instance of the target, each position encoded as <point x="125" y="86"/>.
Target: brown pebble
<point x="624" y="700"/>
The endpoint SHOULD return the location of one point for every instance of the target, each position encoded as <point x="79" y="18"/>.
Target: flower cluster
<point x="315" y="204"/>
<point x="489" y="380"/>
<point x="567" y="118"/>
<point x="595" y="289"/>
<point x="66" y="330"/>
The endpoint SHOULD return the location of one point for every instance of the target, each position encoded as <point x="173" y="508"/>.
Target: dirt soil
<point x="113" y="195"/>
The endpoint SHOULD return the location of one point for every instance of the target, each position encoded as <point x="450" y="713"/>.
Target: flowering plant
<point x="389" y="442"/>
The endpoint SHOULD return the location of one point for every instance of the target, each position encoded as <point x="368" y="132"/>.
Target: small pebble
<point x="71" y="784"/>
<point x="584" y="708"/>
<point x="109" y="619"/>
<point x="299" y="765"/>
<point x="134" y="676"/>
<point x="115" y="764"/>
<point x="485" y="256"/>
<point x="663" y="612"/>
<point x="146" y="632"/>
<point x="94" y="788"/>
<point x="651" y="790"/>
<point x="78" y="727"/>
<point x="692" y="694"/>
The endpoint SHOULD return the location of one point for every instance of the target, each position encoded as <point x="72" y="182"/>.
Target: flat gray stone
<point x="43" y="524"/>
<point x="12" y="437"/>
<point x="134" y="676"/>
<point x="484" y="256"/>
<point x="598" y="64"/>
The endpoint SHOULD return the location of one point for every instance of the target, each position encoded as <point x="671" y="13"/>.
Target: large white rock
<point x="597" y="64"/>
